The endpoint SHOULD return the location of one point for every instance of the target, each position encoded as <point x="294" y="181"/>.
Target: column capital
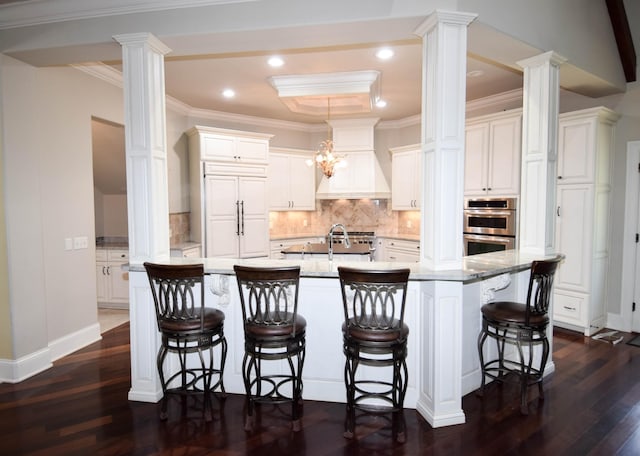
<point x="143" y="38"/>
<point x="551" y="57"/>
<point x="446" y="17"/>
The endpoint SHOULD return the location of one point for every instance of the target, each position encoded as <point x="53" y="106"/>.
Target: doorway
<point x="111" y="222"/>
<point x="630" y="292"/>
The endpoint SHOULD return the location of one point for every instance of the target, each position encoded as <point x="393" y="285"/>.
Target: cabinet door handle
<point x="108" y="270"/>
<point x="104" y="271"/>
<point x="242" y="209"/>
<point x="237" y="218"/>
<point x="558" y="211"/>
<point x="559" y="177"/>
<point x="569" y="308"/>
<point x="484" y="189"/>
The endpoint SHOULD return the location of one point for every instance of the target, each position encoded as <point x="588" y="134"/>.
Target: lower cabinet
<point x="187" y="251"/>
<point x="112" y="282"/>
<point x="400" y="250"/>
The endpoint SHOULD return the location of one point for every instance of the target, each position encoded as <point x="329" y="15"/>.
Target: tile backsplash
<point x="356" y="215"/>
<point x="180" y="228"/>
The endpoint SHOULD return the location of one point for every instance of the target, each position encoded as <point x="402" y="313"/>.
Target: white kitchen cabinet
<point x="493" y="146"/>
<point x="111" y="280"/>
<point x="228" y="191"/>
<point x="224" y="145"/>
<point x="401" y="250"/>
<point x="406" y="174"/>
<point x="187" y="250"/>
<point x="291" y="182"/>
<point x="582" y="218"/>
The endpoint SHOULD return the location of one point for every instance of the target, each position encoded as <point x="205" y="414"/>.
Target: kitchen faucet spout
<point x="347" y="243"/>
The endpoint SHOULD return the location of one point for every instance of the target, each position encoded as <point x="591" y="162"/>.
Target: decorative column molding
<point x="147" y="197"/>
<point x="444" y="60"/>
<point x="539" y="152"/>
<point x="145" y="142"/>
<point x="444" y="57"/>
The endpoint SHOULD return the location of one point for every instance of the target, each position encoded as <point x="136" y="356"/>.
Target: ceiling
<point x="199" y="82"/>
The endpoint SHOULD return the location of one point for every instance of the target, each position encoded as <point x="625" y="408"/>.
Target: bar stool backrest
<point x="374" y="299"/>
<point x="269" y="296"/>
<point x="540" y="286"/>
<point x="178" y="295"/>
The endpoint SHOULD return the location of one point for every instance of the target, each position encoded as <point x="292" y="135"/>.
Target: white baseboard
<point x="15" y="371"/>
<point x="74" y="341"/>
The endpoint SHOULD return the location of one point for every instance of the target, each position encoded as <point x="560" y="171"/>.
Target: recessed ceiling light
<point x="275" y="61"/>
<point x="384" y="53"/>
<point x="381" y="103"/>
<point x="228" y="93"/>
<point x="475" y="73"/>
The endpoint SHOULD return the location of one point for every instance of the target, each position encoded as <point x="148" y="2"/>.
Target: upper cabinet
<point x="492" y="157"/>
<point x="291" y="183"/>
<point x="224" y="145"/>
<point x="406" y="178"/>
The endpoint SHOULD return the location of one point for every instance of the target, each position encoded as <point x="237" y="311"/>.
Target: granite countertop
<point x="473" y="268"/>
<point x="323" y="249"/>
<point x="112" y="243"/>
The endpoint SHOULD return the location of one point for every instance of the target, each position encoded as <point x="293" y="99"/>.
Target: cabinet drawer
<point x="569" y="307"/>
<point x="403" y="244"/>
<point x="118" y="255"/>
<point x="101" y="255"/>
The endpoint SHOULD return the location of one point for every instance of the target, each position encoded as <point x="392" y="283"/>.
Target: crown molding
<point x="37" y="12"/>
<point x="497" y="101"/>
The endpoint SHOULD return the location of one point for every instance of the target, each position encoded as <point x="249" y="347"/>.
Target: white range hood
<point x="362" y="177"/>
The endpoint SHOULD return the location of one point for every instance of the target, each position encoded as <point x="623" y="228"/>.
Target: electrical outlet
<point x="304" y="222"/>
<point x="409" y="224"/>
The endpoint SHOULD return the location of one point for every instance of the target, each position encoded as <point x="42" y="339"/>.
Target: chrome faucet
<point x="347" y="242"/>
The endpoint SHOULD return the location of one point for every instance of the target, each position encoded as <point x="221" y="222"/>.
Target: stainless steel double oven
<point x="490" y="225"/>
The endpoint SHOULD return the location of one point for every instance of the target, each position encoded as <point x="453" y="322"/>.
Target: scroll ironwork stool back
<point x="523" y="325"/>
<point x="187" y="326"/>
<point x="375" y="334"/>
<point x="273" y="330"/>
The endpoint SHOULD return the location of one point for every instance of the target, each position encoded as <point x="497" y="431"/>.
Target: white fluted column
<point x="539" y="152"/>
<point x="147" y="197"/>
<point x="444" y="57"/>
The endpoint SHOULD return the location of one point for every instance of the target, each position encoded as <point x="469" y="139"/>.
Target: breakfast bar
<point x="443" y="314"/>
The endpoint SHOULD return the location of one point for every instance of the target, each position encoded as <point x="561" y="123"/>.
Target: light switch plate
<point x="68" y="244"/>
<point x="80" y="242"/>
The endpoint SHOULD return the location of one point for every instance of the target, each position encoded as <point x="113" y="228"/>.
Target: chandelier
<point x="325" y="158"/>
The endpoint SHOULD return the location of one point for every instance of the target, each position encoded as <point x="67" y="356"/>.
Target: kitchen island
<point x="443" y="313"/>
<point x="320" y="251"/>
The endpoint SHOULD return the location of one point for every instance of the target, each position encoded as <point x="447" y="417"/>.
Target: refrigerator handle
<point x="237" y="218"/>
<point x="242" y="208"/>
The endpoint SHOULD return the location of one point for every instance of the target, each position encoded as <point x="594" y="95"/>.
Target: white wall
<point x="115" y="217"/>
<point x="49" y="195"/>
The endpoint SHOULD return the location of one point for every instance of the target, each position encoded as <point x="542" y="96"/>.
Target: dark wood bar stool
<point x="523" y="325"/>
<point x="374" y="334"/>
<point x="273" y="330"/>
<point x="186" y="327"/>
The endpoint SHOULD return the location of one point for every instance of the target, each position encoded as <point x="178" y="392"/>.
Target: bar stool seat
<point x="523" y="325"/>
<point x="374" y="334"/>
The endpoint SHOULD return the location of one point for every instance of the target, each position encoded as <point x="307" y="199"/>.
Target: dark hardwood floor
<point x="80" y="407"/>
